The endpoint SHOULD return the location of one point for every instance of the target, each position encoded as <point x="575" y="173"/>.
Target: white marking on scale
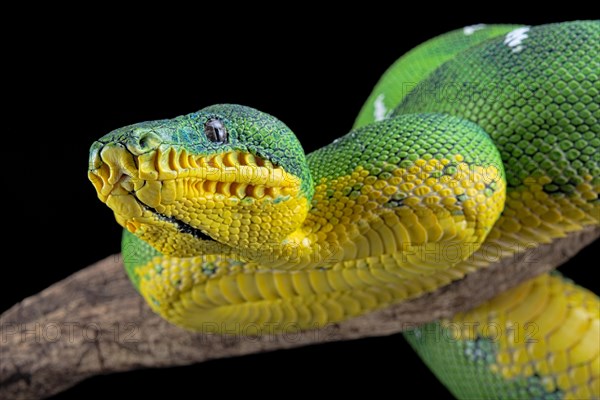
<point x="514" y="39"/>
<point x="380" y="109"/>
<point x="471" y="29"/>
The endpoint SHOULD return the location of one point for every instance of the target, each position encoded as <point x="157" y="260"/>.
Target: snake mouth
<point x="167" y="185"/>
<point x="181" y="226"/>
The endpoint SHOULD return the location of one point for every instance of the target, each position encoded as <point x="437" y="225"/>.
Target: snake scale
<point x="477" y="141"/>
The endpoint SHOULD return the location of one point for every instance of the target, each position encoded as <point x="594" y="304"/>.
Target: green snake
<point x="478" y="139"/>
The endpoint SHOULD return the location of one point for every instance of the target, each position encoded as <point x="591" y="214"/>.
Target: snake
<point x="473" y="146"/>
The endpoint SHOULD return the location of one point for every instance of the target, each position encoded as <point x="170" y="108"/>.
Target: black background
<point x="80" y="79"/>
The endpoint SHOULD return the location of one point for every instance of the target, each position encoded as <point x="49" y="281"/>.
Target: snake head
<point x="227" y="177"/>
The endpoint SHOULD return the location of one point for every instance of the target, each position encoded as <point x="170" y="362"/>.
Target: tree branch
<point x="95" y="323"/>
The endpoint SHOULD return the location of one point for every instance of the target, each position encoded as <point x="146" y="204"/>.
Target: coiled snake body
<point x="483" y="138"/>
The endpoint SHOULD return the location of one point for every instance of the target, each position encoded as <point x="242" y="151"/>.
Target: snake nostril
<point x="143" y="142"/>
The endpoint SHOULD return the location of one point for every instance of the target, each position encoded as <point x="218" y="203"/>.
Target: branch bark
<point x="95" y="323"/>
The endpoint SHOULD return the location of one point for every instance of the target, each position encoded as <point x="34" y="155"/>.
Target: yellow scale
<point x="546" y="326"/>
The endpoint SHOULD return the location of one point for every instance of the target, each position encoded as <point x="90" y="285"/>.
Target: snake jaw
<point x="135" y="201"/>
<point x="155" y="190"/>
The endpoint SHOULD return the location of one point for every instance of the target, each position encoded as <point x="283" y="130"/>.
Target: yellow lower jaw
<point x="166" y="238"/>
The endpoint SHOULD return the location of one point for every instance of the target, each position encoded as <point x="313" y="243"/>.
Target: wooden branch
<point x="94" y="323"/>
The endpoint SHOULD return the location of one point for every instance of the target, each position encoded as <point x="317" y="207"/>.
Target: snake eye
<point x="215" y="131"/>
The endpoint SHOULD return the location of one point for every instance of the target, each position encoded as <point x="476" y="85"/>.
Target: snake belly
<point x="482" y="138"/>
